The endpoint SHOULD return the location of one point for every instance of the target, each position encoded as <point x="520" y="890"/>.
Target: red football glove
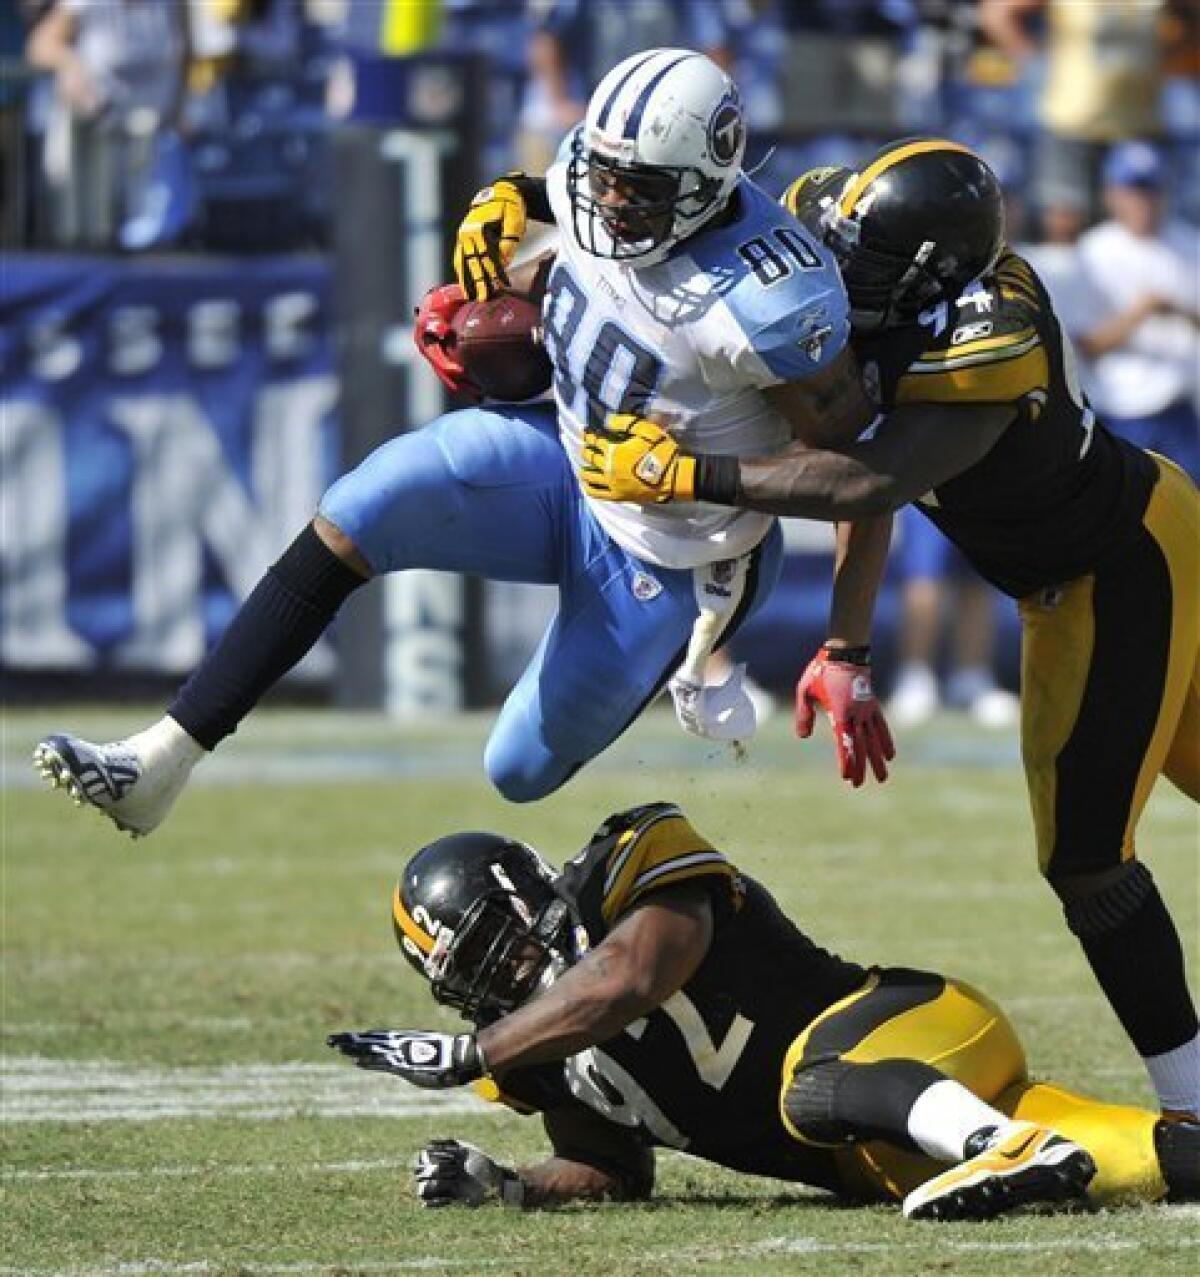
<point x="843" y="690"/>
<point x="436" y="339"/>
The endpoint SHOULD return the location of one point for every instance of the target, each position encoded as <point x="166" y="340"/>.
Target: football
<point x="499" y="343"/>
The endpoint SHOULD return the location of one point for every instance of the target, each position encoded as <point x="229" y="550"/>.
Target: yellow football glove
<point x="488" y="237"/>
<point x="633" y="459"/>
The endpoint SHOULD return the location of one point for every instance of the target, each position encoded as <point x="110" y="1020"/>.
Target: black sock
<point x="1134" y="950"/>
<point x="288" y="611"/>
<point x="836" y="1101"/>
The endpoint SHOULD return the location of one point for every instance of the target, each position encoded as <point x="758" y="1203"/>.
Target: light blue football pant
<point x="491" y="492"/>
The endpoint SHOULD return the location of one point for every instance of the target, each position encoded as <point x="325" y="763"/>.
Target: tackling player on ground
<point x="657" y="302"/>
<point x="651" y="995"/>
<point x="988" y="432"/>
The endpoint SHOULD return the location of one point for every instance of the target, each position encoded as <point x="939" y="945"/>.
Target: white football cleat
<point x="133" y="782"/>
<point x="1024" y="1163"/>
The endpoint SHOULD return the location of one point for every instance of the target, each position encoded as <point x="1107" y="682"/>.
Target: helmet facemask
<point x="498" y="955"/>
<point x="635" y="212"/>
<point x="884" y="288"/>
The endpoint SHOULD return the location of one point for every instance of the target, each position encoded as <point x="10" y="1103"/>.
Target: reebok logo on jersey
<point x="645" y="587"/>
<point x="971" y="332"/>
<point x="814" y="346"/>
<point x="872" y="383"/>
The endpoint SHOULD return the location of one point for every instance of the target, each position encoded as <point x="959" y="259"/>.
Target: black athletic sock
<point x="837" y="1101"/>
<point x="288" y="611"/>
<point x="1134" y="950"/>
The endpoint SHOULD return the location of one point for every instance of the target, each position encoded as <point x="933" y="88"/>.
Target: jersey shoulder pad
<point x="984" y="348"/>
<point x="779" y="288"/>
<point x="643" y="850"/>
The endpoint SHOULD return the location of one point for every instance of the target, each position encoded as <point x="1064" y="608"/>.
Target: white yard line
<point x="201" y="1267"/>
<point x="36" y="1089"/>
<point x="1078" y="1242"/>
<point x="216" y="1170"/>
<point x="143" y="1019"/>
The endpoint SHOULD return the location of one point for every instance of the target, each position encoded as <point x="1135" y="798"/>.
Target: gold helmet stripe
<point x="880" y="166"/>
<point x="411" y="928"/>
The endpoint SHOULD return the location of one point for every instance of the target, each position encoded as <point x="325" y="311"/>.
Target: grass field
<point x="170" y="1107"/>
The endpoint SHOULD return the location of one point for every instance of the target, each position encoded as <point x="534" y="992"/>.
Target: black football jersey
<point x="702" y="1072"/>
<point x="1057" y="492"/>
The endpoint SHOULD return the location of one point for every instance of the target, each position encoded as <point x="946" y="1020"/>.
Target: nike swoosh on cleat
<point x="1020" y="1150"/>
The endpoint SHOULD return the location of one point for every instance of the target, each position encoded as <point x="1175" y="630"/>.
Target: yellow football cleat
<point x="1025" y="1164"/>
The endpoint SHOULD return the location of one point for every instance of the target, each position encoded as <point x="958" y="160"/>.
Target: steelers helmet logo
<point x="725" y="130"/>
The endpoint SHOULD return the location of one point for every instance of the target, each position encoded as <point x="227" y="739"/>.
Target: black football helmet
<point x="920" y="221"/>
<point x="478" y="916"/>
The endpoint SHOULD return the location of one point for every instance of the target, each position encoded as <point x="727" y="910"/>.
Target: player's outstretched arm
<point x="649" y="955"/>
<point x="635" y="968"/>
<point x="914" y="449"/>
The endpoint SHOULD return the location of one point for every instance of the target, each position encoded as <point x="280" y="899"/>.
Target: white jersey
<point x="691" y="343"/>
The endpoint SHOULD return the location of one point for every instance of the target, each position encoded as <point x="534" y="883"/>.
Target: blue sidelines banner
<point x="167" y="426"/>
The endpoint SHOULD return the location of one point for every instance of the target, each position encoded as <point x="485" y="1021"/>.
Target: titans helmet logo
<point x="725" y="129"/>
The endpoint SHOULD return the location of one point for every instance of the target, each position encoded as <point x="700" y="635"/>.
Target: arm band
<point x="718" y="479"/>
<point x="849" y="655"/>
<point x="536" y="196"/>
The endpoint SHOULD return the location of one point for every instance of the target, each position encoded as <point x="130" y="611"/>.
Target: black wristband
<point x="718" y="479"/>
<point x="536" y="195"/>
<point x="469" y="1062"/>
<point x="849" y="655"/>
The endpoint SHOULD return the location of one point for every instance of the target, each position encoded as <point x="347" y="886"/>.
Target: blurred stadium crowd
<point x="204" y="125"/>
<point x="233" y="98"/>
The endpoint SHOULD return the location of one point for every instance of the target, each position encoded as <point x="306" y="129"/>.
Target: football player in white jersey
<point x="679" y="290"/>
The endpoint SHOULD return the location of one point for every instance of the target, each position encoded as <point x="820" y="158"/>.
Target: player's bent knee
<point x="1096" y="904"/>
<point x="810" y="1103"/>
<point x="524" y="777"/>
<point x="338" y="543"/>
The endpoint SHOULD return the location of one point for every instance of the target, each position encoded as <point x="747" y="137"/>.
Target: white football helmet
<point x="657" y="157"/>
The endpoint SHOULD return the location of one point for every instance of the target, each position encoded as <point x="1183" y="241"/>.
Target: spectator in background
<point x="1144" y="335"/>
<point x="575" y="42"/>
<point x="238" y="46"/>
<point x="842" y="60"/>
<point x="1181" y="102"/>
<point x="779" y="145"/>
<point x="939" y="588"/>
<point x="13" y="91"/>
<point x="500" y="30"/>
<point x="119" y="77"/>
<point x="1103" y="81"/>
